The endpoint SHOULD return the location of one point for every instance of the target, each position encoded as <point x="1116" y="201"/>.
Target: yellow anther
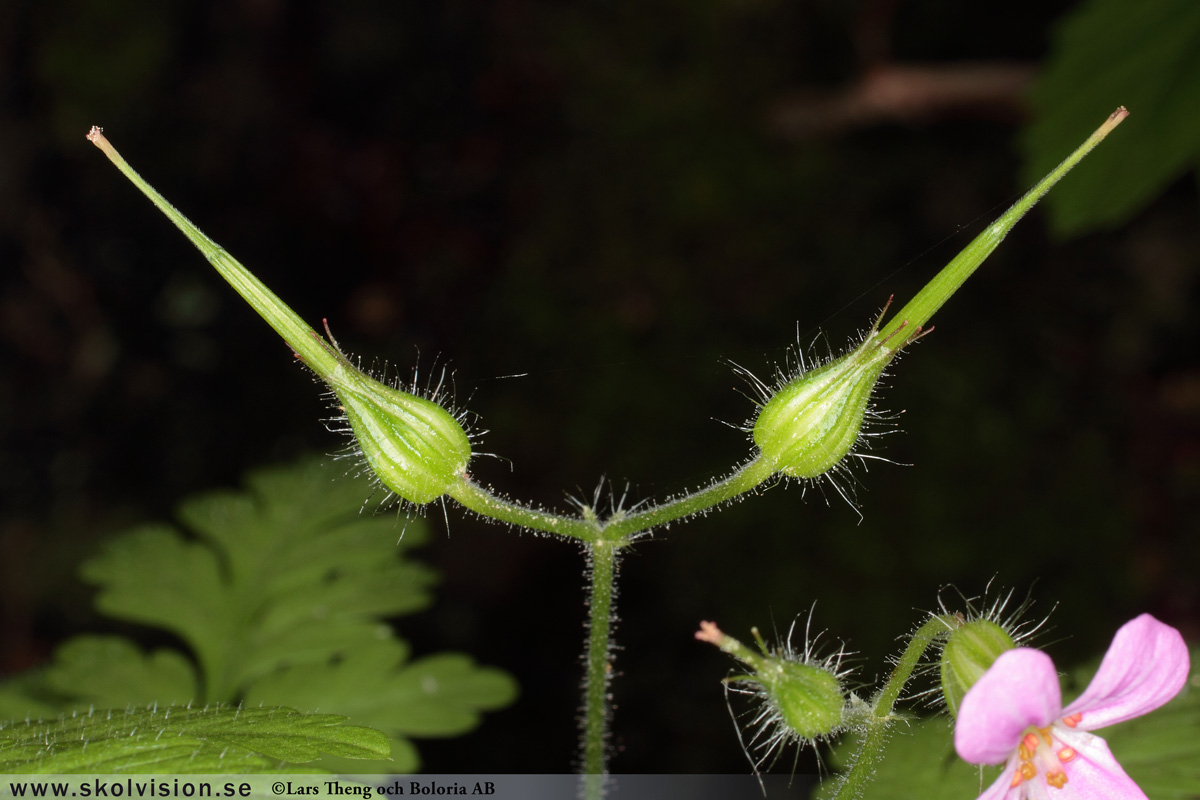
<point x="1057" y="779"/>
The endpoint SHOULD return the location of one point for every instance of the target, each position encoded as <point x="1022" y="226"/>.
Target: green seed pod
<point x="415" y="447"/>
<point x="813" y="421"/>
<point x="968" y="652"/>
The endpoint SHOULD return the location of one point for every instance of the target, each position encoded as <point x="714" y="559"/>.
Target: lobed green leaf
<point x="113" y="672"/>
<point x="286" y="573"/>
<point x="280" y="592"/>
<point x="441" y="695"/>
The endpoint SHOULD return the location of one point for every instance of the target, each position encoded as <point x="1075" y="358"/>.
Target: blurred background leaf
<point x="1149" y="61"/>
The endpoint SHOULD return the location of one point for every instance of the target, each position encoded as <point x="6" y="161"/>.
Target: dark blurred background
<point x="614" y="200"/>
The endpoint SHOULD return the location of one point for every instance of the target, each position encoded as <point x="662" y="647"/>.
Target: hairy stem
<point x="879" y="719"/>
<point x="621" y="527"/>
<point x="601" y="593"/>
<point x="482" y="501"/>
<point x="742" y="480"/>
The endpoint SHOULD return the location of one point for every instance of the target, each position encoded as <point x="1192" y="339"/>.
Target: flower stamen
<point x="1036" y="753"/>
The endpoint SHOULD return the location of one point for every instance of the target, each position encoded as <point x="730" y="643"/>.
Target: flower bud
<point x="968" y="652"/>
<point x="804" y="696"/>
<point x="415" y="447"/>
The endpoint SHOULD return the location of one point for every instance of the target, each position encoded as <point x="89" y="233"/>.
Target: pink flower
<point x="1014" y="715"/>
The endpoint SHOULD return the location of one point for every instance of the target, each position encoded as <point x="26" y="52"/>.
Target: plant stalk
<point x="865" y="762"/>
<point x="599" y="669"/>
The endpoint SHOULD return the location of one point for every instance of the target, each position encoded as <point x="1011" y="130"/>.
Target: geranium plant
<point x="808" y="427"/>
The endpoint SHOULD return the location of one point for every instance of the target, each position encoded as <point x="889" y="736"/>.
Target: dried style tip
<point x="1114" y="119"/>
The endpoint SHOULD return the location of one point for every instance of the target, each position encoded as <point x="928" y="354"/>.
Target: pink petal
<point x="1145" y="666"/>
<point x="1002" y="788"/>
<point x="1094" y="774"/>
<point x="1020" y="689"/>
